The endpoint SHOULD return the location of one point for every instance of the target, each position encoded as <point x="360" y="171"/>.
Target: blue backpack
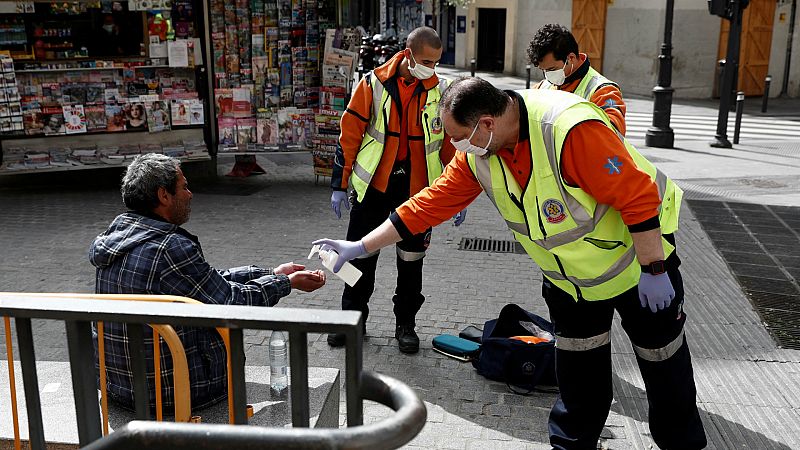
<point x="515" y="362"/>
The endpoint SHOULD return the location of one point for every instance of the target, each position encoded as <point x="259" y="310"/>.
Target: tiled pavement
<point x="748" y="388"/>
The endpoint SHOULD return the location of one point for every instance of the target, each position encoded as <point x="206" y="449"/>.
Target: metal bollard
<point x="472" y="67"/>
<point x="765" y="99"/>
<point x="739" y="110"/>
<point x="528" y="76"/>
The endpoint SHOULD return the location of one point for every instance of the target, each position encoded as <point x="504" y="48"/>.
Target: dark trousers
<point x="365" y="216"/>
<point x="584" y="377"/>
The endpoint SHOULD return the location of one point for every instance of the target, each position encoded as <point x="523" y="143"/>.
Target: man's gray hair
<point x="144" y="176"/>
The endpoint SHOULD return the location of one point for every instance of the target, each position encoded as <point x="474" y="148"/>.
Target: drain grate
<point x="783" y="325"/>
<point x="490" y="245"/>
<point x="761" y="275"/>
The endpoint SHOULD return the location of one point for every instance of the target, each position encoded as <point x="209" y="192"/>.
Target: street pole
<point x="660" y="134"/>
<point x="728" y="78"/>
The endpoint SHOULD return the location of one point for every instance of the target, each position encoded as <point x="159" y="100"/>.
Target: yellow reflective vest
<point x="371" y="149"/>
<point x="582" y="247"/>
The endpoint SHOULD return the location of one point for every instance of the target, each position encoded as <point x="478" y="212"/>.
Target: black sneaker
<point x="338" y="339"/>
<point x="407" y="338"/>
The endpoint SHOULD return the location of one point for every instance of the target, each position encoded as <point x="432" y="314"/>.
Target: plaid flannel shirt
<point x="143" y="254"/>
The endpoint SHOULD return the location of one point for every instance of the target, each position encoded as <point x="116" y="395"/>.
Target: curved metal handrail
<point x="398" y="429"/>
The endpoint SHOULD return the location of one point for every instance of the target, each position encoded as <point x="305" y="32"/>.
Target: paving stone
<point x="277" y="223"/>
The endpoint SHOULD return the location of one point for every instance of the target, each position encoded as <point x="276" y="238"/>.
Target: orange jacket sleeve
<point x="353" y="127"/>
<point x="449" y="194"/>
<point x="596" y="160"/>
<point x="609" y="99"/>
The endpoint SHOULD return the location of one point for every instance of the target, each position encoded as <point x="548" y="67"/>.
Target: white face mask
<point x="420" y="71"/>
<point x="466" y="146"/>
<point x="556" y="77"/>
<point x="108" y="28"/>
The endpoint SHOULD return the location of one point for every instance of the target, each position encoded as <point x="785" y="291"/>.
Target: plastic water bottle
<point x="278" y="377"/>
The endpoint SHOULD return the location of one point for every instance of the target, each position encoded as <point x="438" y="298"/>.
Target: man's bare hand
<point x="307" y="280"/>
<point x="288" y="268"/>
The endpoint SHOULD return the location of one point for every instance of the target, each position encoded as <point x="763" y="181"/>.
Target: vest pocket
<point x="366" y="144"/>
<point x="604" y="244"/>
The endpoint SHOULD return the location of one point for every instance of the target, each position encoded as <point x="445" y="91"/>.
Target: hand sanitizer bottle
<point x="349" y="273"/>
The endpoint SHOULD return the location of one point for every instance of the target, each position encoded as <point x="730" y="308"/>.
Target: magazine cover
<point x="135" y="116"/>
<point x="267" y="129"/>
<point x="32" y="120"/>
<point x="53" y="120"/>
<point x="302" y="125"/>
<point x="196" y="112"/>
<point x="323" y="160"/>
<point x="73" y="93"/>
<point x="74" y="119"/>
<point x="95" y="93"/>
<point x="224" y="102"/>
<point x="115" y="118"/>
<point x="242" y="101"/>
<point x="157" y="116"/>
<point x="95" y="117"/>
<point x="179" y="110"/>
<point x="285" y="133"/>
<point x="111" y="95"/>
<point x="246" y="130"/>
<point x="227" y="131"/>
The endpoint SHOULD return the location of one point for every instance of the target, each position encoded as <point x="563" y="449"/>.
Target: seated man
<point x="146" y="251"/>
<point x="555" y="51"/>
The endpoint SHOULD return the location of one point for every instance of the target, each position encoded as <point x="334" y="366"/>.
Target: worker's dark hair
<point x="469" y="98"/>
<point x="423" y="37"/>
<point x="552" y="38"/>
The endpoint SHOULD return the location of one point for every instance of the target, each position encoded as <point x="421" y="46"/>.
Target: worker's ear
<point x="489" y="122"/>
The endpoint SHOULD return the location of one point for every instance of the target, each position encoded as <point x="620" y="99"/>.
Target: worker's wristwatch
<point x="655" y="267"/>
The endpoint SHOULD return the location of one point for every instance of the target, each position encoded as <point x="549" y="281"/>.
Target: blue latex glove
<point x="347" y="250"/>
<point x="337" y="197"/>
<point x="655" y="291"/>
<point x="459" y="218"/>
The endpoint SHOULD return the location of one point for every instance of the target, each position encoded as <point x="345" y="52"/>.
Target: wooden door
<point x="756" y="43"/>
<point x="589" y="29"/>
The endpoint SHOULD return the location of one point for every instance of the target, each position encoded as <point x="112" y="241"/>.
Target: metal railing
<point x="79" y="313"/>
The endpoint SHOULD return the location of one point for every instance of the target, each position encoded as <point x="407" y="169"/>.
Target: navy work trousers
<point x="367" y="215"/>
<point x="584" y="377"/>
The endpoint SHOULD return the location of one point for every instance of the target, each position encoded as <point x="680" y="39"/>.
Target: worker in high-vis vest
<point x="598" y="219"/>
<point x="392" y="145"/>
<point x="554" y="50"/>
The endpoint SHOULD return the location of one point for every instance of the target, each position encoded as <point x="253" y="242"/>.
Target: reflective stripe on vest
<point x="590" y="82"/>
<point x="587" y="246"/>
<point x="372" y="145"/>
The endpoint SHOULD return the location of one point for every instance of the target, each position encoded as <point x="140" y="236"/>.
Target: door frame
<point x="510" y="64"/>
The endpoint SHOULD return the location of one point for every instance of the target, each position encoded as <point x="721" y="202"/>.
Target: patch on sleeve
<point x="614" y="165"/>
<point x="610" y="103"/>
